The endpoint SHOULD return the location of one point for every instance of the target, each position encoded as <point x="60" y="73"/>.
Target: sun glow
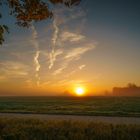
<point x="80" y="91"/>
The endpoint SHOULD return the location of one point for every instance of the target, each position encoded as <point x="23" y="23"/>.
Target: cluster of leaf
<point x="3" y="28"/>
<point x="26" y="11"/>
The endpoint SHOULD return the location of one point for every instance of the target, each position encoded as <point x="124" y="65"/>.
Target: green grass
<point x="31" y="129"/>
<point x="106" y="106"/>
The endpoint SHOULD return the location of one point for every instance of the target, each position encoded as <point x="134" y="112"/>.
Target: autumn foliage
<point x="26" y="11"/>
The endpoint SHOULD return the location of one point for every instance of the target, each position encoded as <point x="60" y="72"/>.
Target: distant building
<point x="130" y="90"/>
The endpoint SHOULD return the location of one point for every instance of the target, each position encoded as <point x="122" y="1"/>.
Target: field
<point x="31" y="129"/>
<point x="104" y="106"/>
<point x="18" y="126"/>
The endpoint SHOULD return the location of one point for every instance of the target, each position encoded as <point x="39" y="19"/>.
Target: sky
<point x="95" y="45"/>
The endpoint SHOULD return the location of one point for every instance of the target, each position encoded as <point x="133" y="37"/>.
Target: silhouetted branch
<point x="26" y="11"/>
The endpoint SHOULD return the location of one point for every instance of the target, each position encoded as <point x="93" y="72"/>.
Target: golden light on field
<point x="80" y="91"/>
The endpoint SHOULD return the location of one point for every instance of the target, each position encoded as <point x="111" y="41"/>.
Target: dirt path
<point x="114" y="120"/>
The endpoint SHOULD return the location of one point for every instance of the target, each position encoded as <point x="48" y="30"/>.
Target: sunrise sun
<point x="80" y="91"/>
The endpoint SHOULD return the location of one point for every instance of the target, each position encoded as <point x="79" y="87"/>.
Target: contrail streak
<point x="37" y="54"/>
<point x="54" y="41"/>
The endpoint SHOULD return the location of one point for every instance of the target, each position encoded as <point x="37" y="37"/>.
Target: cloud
<point x="59" y="70"/>
<point x="53" y="45"/>
<point x="63" y="36"/>
<point x="65" y="15"/>
<point x="71" y="37"/>
<point x="72" y="55"/>
<point x="75" y="53"/>
<point x="37" y="54"/>
<point x="11" y="69"/>
<point x="62" y="17"/>
<point x="53" y="55"/>
<point x="82" y="66"/>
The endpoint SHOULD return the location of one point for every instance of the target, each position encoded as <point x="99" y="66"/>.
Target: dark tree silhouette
<point x="26" y="11"/>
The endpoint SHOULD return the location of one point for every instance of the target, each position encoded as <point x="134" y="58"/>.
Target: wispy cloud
<point x="82" y="66"/>
<point x="11" y="69"/>
<point x="53" y="56"/>
<point x="75" y="53"/>
<point x="71" y="37"/>
<point x="61" y="19"/>
<point x="59" y="70"/>
<point x="72" y="55"/>
<point x="37" y="53"/>
<point x="53" y="45"/>
<point x="71" y="14"/>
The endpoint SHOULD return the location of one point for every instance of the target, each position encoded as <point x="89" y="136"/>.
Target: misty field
<point x="33" y="129"/>
<point x="105" y="106"/>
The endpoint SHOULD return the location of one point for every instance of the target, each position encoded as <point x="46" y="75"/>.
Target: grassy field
<point x="106" y="106"/>
<point x="31" y="129"/>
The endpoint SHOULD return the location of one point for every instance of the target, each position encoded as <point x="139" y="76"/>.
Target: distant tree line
<point x="130" y="90"/>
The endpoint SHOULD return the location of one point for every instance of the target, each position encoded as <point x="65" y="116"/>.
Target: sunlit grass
<point x="106" y="106"/>
<point x="31" y="129"/>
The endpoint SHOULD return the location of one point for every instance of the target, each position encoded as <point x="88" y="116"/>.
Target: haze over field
<point x="90" y="48"/>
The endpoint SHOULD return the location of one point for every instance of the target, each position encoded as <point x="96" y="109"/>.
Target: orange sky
<point x="97" y="49"/>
